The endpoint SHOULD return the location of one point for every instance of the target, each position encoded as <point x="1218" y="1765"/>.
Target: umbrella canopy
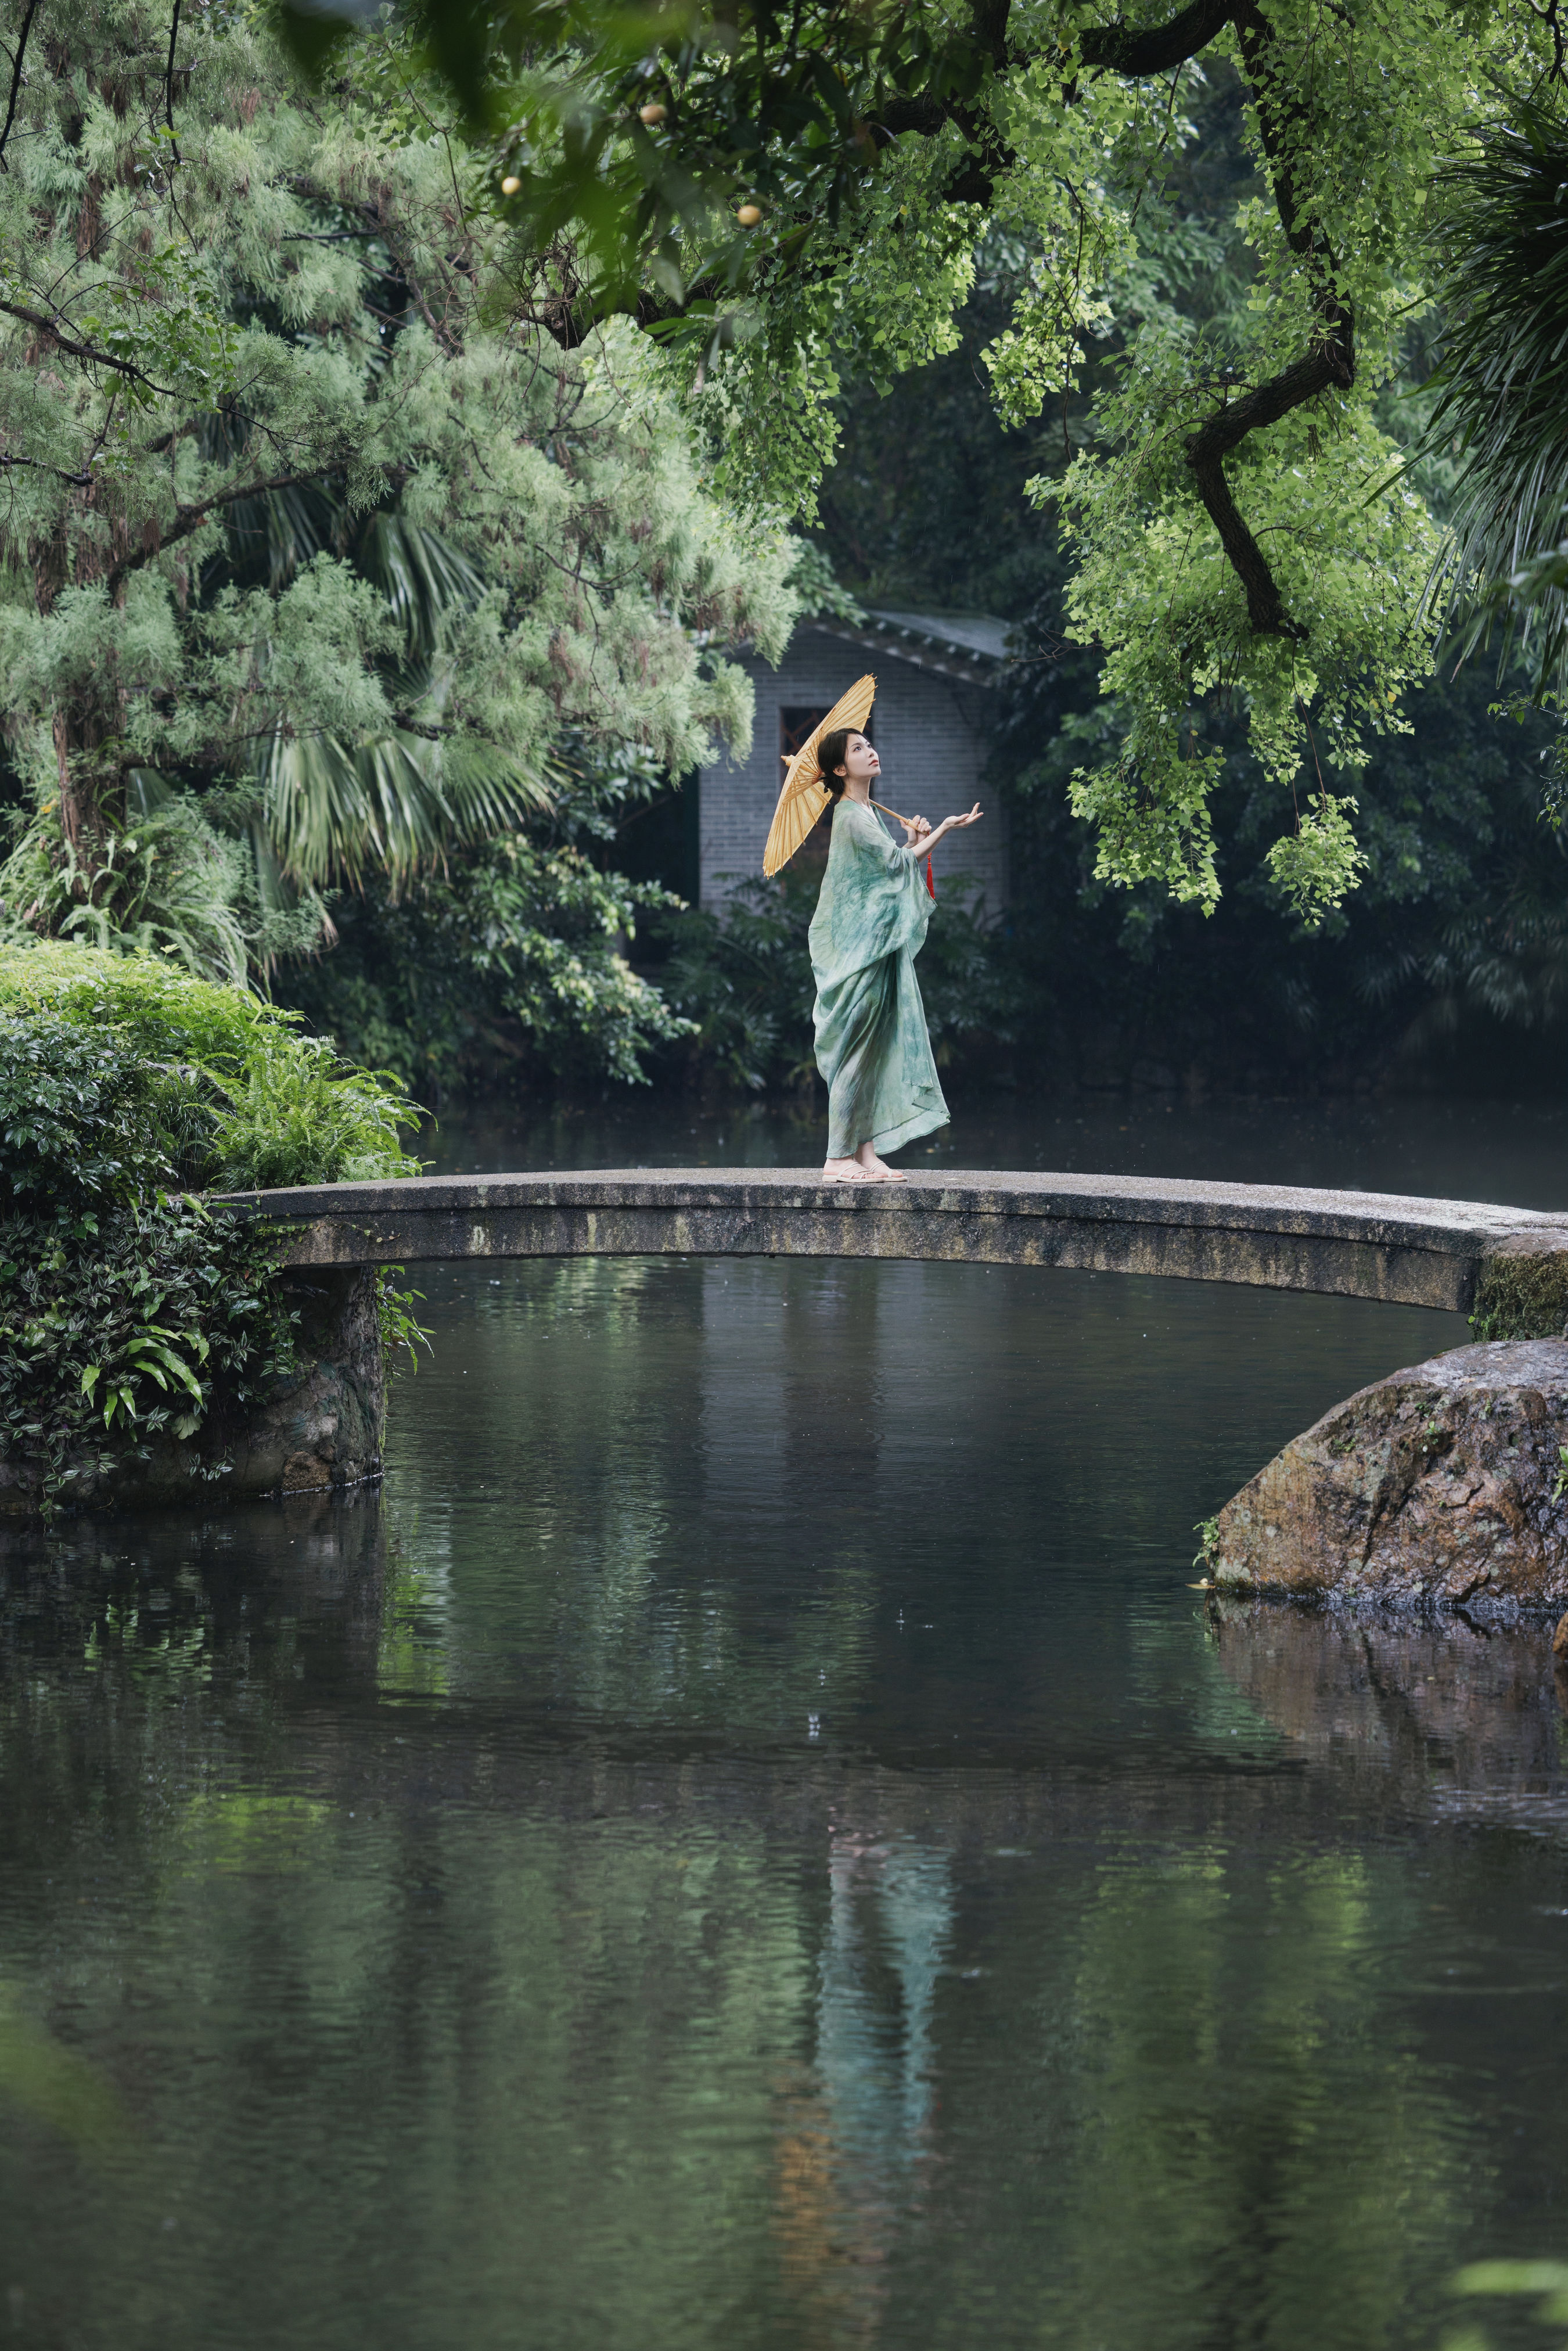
<point x="804" y="797"/>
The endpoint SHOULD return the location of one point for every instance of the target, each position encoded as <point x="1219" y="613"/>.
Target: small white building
<point x="936" y="673"/>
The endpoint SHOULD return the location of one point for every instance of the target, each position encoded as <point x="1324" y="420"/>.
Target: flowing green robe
<point x="872" y="1046"/>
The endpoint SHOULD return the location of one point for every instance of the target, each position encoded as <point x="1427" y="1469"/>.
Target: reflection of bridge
<point x="1357" y="1244"/>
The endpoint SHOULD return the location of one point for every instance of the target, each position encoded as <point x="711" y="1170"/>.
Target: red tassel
<point x="930" y="885"/>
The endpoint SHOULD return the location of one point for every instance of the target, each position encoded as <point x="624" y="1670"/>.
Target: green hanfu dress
<point x="872" y="1047"/>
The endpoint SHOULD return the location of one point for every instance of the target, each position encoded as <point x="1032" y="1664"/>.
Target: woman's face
<point x="861" y="763"/>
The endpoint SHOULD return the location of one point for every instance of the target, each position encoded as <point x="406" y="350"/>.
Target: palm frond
<point x="1504" y="388"/>
<point x="424" y="577"/>
<point x="278" y="532"/>
<point x="335" y="810"/>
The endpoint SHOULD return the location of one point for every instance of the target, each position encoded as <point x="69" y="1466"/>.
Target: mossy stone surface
<point x="1522" y="1293"/>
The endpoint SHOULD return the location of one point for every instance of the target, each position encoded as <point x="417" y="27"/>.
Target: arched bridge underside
<point x="1352" y="1244"/>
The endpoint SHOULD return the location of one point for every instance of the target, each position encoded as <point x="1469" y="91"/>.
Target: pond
<point x="751" y="1838"/>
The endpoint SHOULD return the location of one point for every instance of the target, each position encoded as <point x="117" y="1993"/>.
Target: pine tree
<point x="318" y="562"/>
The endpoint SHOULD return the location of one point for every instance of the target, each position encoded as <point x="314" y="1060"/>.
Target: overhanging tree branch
<point x="1329" y="364"/>
<point x="188" y="519"/>
<point x="77" y="350"/>
<point x="569" y="310"/>
<point x="16" y="79"/>
<point x="1214" y="441"/>
<point x="1133" y="54"/>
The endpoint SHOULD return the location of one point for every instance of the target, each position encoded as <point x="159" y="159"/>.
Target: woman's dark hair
<point x="831" y="752"/>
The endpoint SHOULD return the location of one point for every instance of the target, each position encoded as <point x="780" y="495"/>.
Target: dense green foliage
<point x="123" y="1302"/>
<point x="782" y="196"/>
<point x="1460" y="923"/>
<point x="1504" y="573"/>
<point x="258" y="1104"/>
<point x="321" y="563"/>
<point x="509" y="965"/>
<point x="126" y="1089"/>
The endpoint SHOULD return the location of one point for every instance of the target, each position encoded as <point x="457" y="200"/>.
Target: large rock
<point x="1441" y="1485"/>
<point x="320" y="1427"/>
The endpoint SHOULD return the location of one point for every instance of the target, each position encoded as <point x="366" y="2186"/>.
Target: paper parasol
<point x="803" y="797"/>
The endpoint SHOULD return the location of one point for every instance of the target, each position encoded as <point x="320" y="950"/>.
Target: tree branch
<point x="169" y="78"/>
<point x="1328" y="365"/>
<point x="16" y="79"/>
<point x="82" y="350"/>
<point x="1225" y="429"/>
<point x="1119" y="49"/>
<point x="190" y="519"/>
<point x="79" y="481"/>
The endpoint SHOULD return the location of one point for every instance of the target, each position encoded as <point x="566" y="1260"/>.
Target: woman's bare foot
<point x="865" y="1167"/>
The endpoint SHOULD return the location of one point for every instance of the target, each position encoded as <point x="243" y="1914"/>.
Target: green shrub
<point x="166" y="884"/>
<point x="246" y="1100"/>
<point x="508" y="965"/>
<point x="82" y="1120"/>
<point x="126" y="1306"/>
<point x="123" y="1302"/>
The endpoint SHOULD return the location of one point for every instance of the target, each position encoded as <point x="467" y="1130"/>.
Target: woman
<point x="872" y="1042"/>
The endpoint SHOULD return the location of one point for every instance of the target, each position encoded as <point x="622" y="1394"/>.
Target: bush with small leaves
<point x="127" y="1309"/>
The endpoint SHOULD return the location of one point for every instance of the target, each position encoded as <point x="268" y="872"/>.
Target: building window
<point x="796" y="720"/>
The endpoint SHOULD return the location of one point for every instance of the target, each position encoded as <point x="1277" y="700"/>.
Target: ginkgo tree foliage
<point x="319" y="558"/>
<point x="775" y="189"/>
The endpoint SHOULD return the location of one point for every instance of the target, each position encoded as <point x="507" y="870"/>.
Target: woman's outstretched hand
<point x="921" y="836"/>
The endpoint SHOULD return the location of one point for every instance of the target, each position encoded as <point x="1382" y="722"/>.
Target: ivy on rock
<point x="126" y="1309"/>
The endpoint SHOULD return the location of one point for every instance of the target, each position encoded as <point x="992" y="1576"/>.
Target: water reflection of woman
<point x="872" y="1046"/>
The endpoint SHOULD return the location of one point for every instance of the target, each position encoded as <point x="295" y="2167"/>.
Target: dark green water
<point x="750" y="1839"/>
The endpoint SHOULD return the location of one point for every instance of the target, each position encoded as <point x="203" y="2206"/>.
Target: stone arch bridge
<point x="320" y="1424"/>
<point x="1509" y="1266"/>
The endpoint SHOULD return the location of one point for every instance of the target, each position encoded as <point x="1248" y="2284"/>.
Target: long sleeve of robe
<point x="872" y="1045"/>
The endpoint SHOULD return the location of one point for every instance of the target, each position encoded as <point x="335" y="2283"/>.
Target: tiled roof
<point x="967" y="645"/>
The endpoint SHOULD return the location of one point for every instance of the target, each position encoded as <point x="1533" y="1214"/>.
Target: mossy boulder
<point x="1446" y="1484"/>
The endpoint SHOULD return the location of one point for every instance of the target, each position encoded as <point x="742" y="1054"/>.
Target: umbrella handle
<point x="930" y="879"/>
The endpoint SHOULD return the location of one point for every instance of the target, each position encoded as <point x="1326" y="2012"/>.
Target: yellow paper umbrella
<point x="804" y="797"/>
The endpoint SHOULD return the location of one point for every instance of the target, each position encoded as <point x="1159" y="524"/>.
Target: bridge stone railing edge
<point x="1512" y="1263"/>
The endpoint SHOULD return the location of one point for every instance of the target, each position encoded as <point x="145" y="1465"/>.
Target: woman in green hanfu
<point x="872" y="1046"/>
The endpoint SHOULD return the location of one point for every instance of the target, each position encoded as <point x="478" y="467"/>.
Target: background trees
<point x="391" y="454"/>
<point x="318" y="564"/>
<point x="778" y="196"/>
